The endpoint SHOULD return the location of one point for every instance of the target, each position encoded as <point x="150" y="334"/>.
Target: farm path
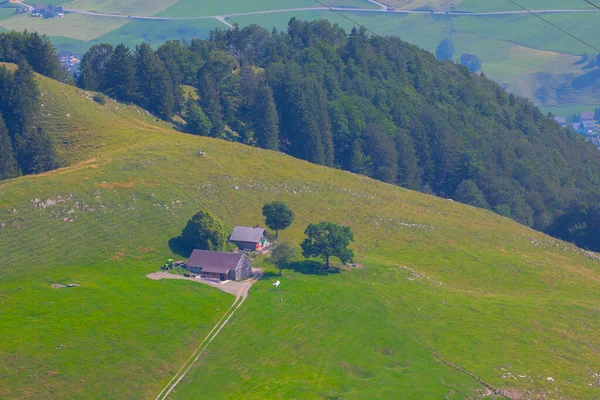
<point x="241" y="294"/>
<point x="238" y="289"/>
<point x="383" y="9"/>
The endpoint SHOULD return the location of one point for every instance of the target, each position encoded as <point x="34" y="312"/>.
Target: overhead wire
<point x="554" y="25"/>
<point x="592" y="4"/>
<point x="459" y="80"/>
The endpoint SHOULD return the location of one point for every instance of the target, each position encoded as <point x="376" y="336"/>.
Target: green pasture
<point x="6" y="13"/>
<point x="570" y="110"/>
<point x="75" y="26"/>
<point x="191" y="8"/>
<point x="529" y="31"/>
<point x="444" y="293"/>
<point x="504" y="5"/>
<point x="133" y="7"/>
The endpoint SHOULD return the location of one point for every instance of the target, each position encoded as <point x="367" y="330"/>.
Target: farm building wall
<point x="194" y="270"/>
<point x="244" y="268"/>
<point x="245" y="245"/>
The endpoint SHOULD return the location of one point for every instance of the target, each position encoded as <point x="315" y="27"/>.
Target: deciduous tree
<point x="203" y="231"/>
<point x="278" y="216"/>
<point x="327" y="239"/>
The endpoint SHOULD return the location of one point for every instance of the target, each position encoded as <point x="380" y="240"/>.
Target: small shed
<point x="219" y="265"/>
<point x="247" y="238"/>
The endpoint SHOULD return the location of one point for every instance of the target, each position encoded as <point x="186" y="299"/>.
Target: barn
<point x="219" y="266"/>
<point x="247" y="238"/>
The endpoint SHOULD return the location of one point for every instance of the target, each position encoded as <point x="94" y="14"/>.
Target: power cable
<point x="592" y="4"/>
<point x="461" y="81"/>
<point x="554" y="25"/>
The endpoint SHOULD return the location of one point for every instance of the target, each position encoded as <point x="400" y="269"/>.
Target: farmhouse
<point x="471" y="61"/>
<point x="247" y="238"/>
<point x="219" y="265"/>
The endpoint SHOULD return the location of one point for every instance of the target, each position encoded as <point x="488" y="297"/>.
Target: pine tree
<point x="266" y="119"/>
<point x="120" y="76"/>
<point x="197" y="122"/>
<point x="93" y="66"/>
<point x="24" y="99"/>
<point x="37" y="152"/>
<point x="210" y="102"/>
<point x="8" y="164"/>
<point x="154" y="82"/>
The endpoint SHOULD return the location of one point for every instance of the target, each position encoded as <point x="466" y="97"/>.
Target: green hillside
<point x="444" y="293"/>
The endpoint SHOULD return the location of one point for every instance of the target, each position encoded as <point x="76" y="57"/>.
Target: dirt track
<point x="238" y="289"/>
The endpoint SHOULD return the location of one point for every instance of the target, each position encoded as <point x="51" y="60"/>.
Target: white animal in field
<point x="275" y="284"/>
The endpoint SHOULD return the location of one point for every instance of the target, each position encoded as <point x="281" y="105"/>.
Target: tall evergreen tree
<point x="37" y="153"/>
<point x="120" y="75"/>
<point x="154" y="82"/>
<point x="93" y="66"/>
<point x="197" y="123"/>
<point x="265" y="119"/>
<point x="8" y="163"/>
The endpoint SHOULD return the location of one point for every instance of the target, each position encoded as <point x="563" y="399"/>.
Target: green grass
<point x="187" y="8"/>
<point x="76" y="26"/>
<point x="566" y="111"/>
<point x="6" y="13"/>
<point x="480" y="292"/>
<point x="503" y="5"/>
<point x="133" y="7"/>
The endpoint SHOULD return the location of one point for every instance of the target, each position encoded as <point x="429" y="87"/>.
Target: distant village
<point x="584" y="124"/>
<point x="41" y="11"/>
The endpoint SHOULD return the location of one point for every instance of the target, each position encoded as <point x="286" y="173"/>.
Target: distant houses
<point x="585" y="125"/>
<point x="50" y="11"/>
<point x="68" y="60"/>
<point x="471" y="61"/>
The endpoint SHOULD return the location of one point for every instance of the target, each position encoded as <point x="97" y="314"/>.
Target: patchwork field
<point x="81" y="27"/>
<point x="188" y="8"/>
<point x="444" y="295"/>
<point x="133" y="7"/>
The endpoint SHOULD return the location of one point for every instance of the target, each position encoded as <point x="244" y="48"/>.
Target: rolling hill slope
<point x="446" y="294"/>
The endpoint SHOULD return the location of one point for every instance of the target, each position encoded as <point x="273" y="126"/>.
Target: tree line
<point x="36" y="49"/>
<point x="363" y="104"/>
<point x="24" y="147"/>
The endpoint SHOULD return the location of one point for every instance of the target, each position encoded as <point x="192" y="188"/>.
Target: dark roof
<point x="247" y="234"/>
<point x="58" y="9"/>
<point x="465" y="58"/>
<point x="587" y="115"/>
<point x="214" y="261"/>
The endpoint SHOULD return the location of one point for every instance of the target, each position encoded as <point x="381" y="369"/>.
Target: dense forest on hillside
<point x="371" y="106"/>
<point x="24" y="147"/>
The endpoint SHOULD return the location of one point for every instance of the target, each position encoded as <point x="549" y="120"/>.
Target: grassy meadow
<point x="445" y="294"/>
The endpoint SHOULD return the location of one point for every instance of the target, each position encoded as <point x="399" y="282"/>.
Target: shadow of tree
<point x="310" y="267"/>
<point x="270" y="275"/>
<point x="178" y="246"/>
<point x="586" y="80"/>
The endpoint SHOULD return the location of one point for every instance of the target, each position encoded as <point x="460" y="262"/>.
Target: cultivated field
<point x="80" y="27"/>
<point x="187" y="8"/>
<point x="445" y="294"/>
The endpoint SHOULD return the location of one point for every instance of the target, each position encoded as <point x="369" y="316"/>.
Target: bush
<point x="100" y="99"/>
